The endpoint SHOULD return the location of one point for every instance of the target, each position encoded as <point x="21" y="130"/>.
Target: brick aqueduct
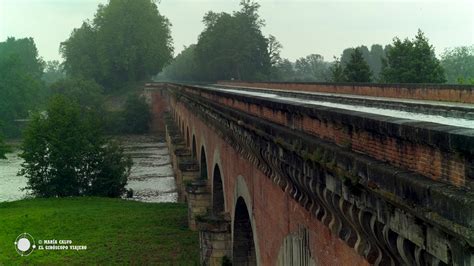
<point x="269" y="182"/>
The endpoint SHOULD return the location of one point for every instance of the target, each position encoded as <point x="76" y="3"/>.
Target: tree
<point x="459" y="64"/>
<point x="137" y="115"/>
<point x="373" y="57"/>
<point x="66" y="154"/>
<point x="80" y="53"/>
<point x="232" y="46"/>
<point x="377" y="54"/>
<point x="86" y="93"/>
<point x="53" y="72"/>
<point x="25" y="54"/>
<point x="412" y="61"/>
<point x="274" y="49"/>
<point x="283" y="71"/>
<point x="183" y="67"/>
<point x="127" y="41"/>
<point x="312" y="68"/>
<point x="337" y="71"/>
<point x="20" y="85"/>
<point x="357" y="69"/>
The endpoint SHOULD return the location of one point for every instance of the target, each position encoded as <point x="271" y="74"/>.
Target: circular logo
<point x="24" y="244"/>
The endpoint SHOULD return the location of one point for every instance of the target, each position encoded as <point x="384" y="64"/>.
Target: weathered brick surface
<point x="158" y="100"/>
<point x="434" y="92"/>
<point x="407" y="149"/>
<point x="274" y="213"/>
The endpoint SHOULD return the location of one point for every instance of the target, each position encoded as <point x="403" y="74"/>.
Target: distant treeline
<point x="403" y="61"/>
<point x="232" y="47"/>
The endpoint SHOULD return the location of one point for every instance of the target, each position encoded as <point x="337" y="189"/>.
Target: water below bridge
<point x="151" y="176"/>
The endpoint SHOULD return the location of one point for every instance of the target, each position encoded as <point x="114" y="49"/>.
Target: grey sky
<point x="302" y="26"/>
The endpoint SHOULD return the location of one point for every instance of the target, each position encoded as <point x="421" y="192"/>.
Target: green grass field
<point x="115" y="231"/>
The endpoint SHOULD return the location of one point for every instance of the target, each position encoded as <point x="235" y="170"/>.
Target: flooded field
<point x="151" y="176"/>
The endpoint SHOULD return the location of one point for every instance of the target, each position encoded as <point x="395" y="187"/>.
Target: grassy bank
<point x="115" y="231"/>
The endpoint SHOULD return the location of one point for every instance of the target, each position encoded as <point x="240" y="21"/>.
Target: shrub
<point x="137" y="115"/>
<point x="66" y="154"/>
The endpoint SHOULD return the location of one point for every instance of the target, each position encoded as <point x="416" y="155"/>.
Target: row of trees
<point x="407" y="61"/>
<point x="458" y="64"/>
<point x="403" y="61"/>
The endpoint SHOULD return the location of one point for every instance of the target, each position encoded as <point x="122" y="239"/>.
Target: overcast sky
<point x="303" y="27"/>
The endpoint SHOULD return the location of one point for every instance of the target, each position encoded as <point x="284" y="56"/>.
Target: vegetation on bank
<point x="66" y="153"/>
<point x="126" y="43"/>
<point x="115" y="231"/>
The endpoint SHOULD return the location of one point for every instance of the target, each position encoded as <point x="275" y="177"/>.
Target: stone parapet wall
<point x="432" y="92"/>
<point x="442" y="153"/>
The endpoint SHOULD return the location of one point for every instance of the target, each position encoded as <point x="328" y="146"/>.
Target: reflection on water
<point x="151" y="176"/>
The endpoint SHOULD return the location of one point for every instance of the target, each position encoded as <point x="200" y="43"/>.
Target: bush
<point x="87" y="93"/>
<point x="137" y="115"/>
<point x="66" y="154"/>
<point x="114" y="122"/>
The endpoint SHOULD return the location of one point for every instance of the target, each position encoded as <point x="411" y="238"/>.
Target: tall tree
<point x="80" y="53"/>
<point x="25" y="54"/>
<point x="128" y="41"/>
<point x="337" y="71"/>
<point x="377" y="54"/>
<point x="274" y="49"/>
<point x="233" y="46"/>
<point x="373" y="57"/>
<point x="412" y="61"/>
<point x="357" y="69"/>
<point x="20" y="85"/>
<point x="459" y="64"/>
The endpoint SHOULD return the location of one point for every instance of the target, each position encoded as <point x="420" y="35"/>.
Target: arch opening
<point x="243" y="248"/>
<point x="193" y="148"/>
<point x="187" y="137"/>
<point x="218" y="205"/>
<point x="203" y="173"/>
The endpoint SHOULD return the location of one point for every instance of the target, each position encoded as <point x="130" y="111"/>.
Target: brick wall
<point x="406" y="152"/>
<point x="158" y="100"/>
<point x="433" y="92"/>
<point x="274" y="213"/>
